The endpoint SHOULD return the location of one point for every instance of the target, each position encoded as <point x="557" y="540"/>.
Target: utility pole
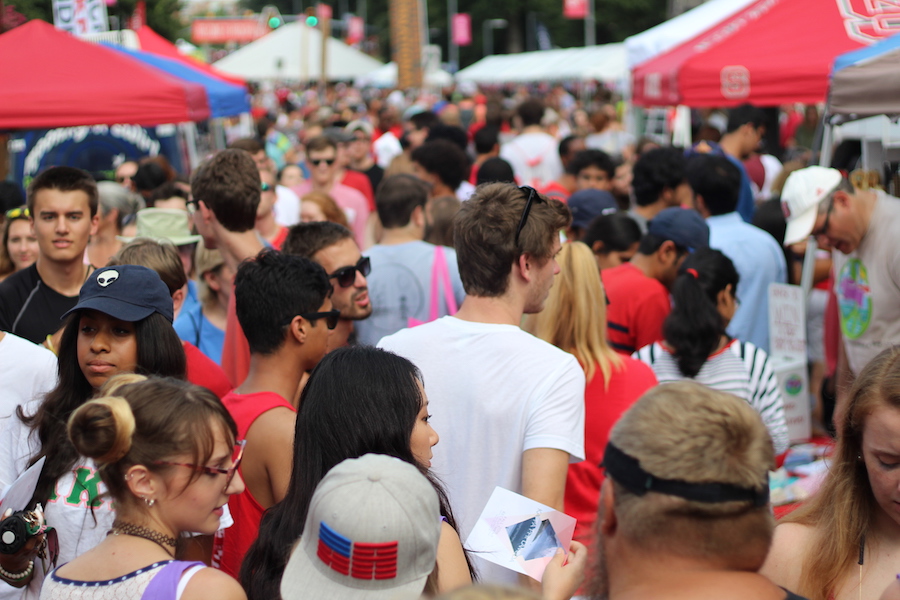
<point x="590" y="27"/>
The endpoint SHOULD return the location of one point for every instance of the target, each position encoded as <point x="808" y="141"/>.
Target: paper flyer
<point x="520" y="534"/>
<point x="18" y="495"/>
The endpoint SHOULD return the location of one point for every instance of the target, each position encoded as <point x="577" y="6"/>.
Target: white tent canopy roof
<point x="386" y="77"/>
<point x="605" y="63"/>
<point x="293" y="52"/>
<point x="668" y="34"/>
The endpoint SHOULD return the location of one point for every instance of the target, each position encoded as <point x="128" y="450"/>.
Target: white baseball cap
<point x="371" y="533"/>
<point x="800" y="198"/>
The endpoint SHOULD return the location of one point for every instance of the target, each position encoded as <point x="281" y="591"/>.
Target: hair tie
<point x="693" y="273"/>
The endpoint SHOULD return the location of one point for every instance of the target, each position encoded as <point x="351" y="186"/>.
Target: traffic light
<point x="311" y="19"/>
<point x="274" y="22"/>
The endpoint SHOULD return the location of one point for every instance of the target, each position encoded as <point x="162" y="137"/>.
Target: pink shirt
<point x="351" y="201"/>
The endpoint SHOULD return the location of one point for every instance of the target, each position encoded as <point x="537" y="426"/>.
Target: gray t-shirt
<point x="400" y="288"/>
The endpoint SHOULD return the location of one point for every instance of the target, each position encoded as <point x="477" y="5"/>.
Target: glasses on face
<point x="318" y="161"/>
<point x="330" y="316"/>
<point x="229" y="472"/>
<point x="347" y="275"/>
<point x="533" y="197"/>
<point x="823" y="230"/>
<point x="20" y="212"/>
<point x="265" y="187"/>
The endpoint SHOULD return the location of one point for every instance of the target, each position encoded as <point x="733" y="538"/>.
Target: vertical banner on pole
<point x="80" y="17"/>
<point x="406" y="42"/>
<point x="462" y="29"/>
<point x="575" y="9"/>
<point x="355" y="30"/>
<point x="139" y="16"/>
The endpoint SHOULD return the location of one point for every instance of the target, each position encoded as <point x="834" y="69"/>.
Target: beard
<point x="597" y="584"/>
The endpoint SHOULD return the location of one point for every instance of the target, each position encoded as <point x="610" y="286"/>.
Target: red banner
<point x="323" y="11"/>
<point x="462" y="29"/>
<point x="575" y="9"/>
<point x="139" y="16"/>
<point x="356" y="29"/>
<point x="221" y="31"/>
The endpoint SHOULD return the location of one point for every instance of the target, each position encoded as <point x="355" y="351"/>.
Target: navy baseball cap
<point x="587" y="205"/>
<point x="684" y="226"/>
<point x="126" y="292"/>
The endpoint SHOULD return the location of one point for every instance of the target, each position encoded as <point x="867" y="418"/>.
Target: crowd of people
<point x="302" y="372"/>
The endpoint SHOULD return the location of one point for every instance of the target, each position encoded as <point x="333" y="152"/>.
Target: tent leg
<point x="827" y="137"/>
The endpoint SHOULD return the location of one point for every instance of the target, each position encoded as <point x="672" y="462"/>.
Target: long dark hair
<point x="358" y="401"/>
<point x="159" y="352"/>
<point x="694" y="327"/>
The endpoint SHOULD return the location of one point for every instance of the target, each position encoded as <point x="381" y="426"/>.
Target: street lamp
<point x="488" y="33"/>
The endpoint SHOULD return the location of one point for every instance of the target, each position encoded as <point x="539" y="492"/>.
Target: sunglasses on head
<point x="347" y="275"/>
<point x="20" y="212"/>
<point x="533" y="196"/>
<point x="331" y="317"/>
<point x="318" y="161"/>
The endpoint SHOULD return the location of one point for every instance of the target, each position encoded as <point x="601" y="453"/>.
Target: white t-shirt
<point x="287" y="206"/>
<point x="400" y="288"/>
<point x="494" y="391"/>
<point x="534" y="158"/>
<point x="867" y="286"/>
<point x="27" y="372"/>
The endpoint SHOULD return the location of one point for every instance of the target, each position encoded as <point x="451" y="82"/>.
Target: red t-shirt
<point x="202" y="371"/>
<point x="235" y="349"/>
<point x="638" y="305"/>
<point x="359" y="181"/>
<point x="555" y="189"/>
<point x="602" y="408"/>
<point x="245" y="510"/>
<point x="279" y="239"/>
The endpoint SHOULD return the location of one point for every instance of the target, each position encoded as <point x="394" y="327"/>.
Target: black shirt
<point x="29" y="308"/>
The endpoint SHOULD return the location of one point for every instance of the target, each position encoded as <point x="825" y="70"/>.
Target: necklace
<point x="164" y="541"/>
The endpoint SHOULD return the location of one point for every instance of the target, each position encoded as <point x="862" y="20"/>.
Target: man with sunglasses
<point x="284" y="307"/>
<point x="509" y="407"/>
<point x="638" y="291"/>
<point x="322" y="155"/>
<point x="861" y="223"/>
<point x="332" y="246"/>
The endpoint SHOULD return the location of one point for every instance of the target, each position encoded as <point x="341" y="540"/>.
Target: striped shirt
<point x="740" y="368"/>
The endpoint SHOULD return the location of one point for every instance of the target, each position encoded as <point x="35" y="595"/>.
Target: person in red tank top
<point x="283" y="305"/>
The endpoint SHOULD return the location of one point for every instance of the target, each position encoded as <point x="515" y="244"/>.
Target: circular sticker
<point x="854" y="297"/>
<point x="793" y="385"/>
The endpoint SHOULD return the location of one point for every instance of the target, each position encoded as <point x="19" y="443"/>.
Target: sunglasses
<point x="347" y="275"/>
<point x="824" y="229"/>
<point x="20" y="212"/>
<point x="331" y="317"/>
<point x="533" y="197"/>
<point x="236" y="458"/>
<point x="265" y="187"/>
<point x="318" y="161"/>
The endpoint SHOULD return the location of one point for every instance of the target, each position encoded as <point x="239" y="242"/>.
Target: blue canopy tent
<point x="225" y="99"/>
<point x="866" y="82"/>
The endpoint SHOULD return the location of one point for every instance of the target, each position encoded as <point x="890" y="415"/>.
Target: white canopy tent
<point x="386" y="77"/>
<point x="603" y="63"/>
<point x="665" y="36"/>
<point x="294" y="53"/>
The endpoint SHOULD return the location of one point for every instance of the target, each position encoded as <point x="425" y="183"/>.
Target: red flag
<point x="575" y="9"/>
<point x="462" y="29"/>
<point x="139" y="16"/>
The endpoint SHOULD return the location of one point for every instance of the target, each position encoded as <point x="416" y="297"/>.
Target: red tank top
<point x="245" y="510"/>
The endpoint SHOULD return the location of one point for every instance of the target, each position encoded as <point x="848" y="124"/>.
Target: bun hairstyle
<point x="139" y="420"/>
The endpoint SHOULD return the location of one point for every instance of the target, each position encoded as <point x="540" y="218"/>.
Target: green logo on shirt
<point x="854" y="297"/>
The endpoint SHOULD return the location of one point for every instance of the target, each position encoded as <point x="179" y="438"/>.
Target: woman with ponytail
<point x="121" y="324"/>
<point x="166" y="451"/>
<point x="696" y="346"/>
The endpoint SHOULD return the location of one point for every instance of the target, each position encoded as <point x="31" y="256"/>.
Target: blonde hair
<point x="574" y="316"/>
<point x="842" y="511"/>
<point x="690" y="432"/>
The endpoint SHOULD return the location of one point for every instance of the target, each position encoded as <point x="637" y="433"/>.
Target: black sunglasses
<point x="347" y="275"/>
<point x="318" y="161"/>
<point x="331" y="317"/>
<point x="533" y="196"/>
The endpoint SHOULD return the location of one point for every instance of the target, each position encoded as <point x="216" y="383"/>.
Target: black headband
<point x="628" y="472"/>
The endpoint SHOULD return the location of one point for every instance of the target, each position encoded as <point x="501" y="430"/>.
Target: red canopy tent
<point x="52" y="79"/>
<point x="771" y="52"/>
<point x="153" y="42"/>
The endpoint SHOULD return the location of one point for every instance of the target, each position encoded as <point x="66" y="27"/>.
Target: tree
<point x="162" y="15"/>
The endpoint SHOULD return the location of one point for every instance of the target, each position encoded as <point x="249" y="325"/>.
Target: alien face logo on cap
<point x="107" y="277"/>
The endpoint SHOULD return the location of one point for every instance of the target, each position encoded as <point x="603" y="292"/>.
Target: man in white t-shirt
<point x="509" y="407"/>
<point x="533" y="153"/>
